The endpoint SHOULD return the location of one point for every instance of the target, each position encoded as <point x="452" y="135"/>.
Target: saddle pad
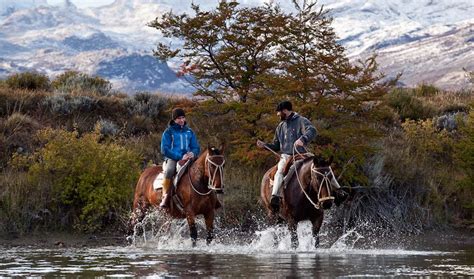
<point x="158" y="182"/>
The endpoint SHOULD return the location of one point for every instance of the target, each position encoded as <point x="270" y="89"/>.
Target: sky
<point x="84" y="3"/>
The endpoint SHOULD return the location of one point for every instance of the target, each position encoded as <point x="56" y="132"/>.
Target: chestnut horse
<point x="196" y="190"/>
<point x="306" y="192"/>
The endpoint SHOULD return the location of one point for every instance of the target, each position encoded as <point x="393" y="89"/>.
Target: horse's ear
<point x="317" y="160"/>
<point x="222" y="149"/>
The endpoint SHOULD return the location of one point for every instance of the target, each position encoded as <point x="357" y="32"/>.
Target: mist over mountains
<point x="429" y="41"/>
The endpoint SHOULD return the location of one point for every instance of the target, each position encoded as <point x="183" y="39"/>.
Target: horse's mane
<point x="210" y="151"/>
<point x="310" y="158"/>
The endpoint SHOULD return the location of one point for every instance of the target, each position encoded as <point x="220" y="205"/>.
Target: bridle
<point x="212" y="175"/>
<point x="217" y="167"/>
<point x="325" y="182"/>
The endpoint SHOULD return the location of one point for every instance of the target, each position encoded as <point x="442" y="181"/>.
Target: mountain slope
<point x="428" y="40"/>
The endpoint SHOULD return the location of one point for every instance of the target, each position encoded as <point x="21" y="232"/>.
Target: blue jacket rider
<point x="178" y="143"/>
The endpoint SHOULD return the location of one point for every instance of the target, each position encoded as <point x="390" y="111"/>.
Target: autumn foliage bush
<point x="88" y="184"/>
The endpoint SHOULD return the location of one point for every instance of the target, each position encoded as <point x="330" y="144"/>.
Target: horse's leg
<point x="293" y="227"/>
<point x="192" y="228"/>
<point x="137" y="216"/>
<point x="209" y="218"/>
<point x="317" y="222"/>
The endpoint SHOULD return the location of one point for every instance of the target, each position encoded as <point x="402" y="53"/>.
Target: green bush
<point x="408" y="106"/>
<point x="76" y="82"/>
<point x="29" y="81"/>
<point x="91" y="183"/>
<point x="464" y="153"/>
<point x="426" y="90"/>
<point x="421" y="159"/>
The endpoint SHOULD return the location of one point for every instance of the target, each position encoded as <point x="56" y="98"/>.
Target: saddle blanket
<point x="158" y="182"/>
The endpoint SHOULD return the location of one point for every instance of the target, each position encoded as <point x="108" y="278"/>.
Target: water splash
<point x="171" y="235"/>
<point x="347" y="240"/>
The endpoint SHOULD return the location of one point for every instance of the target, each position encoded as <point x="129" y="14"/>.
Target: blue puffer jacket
<point x="177" y="141"/>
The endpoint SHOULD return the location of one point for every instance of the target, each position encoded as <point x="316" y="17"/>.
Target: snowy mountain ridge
<point x="430" y="41"/>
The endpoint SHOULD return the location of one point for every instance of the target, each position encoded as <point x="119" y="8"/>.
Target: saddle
<point x="175" y="200"/>
<point x="289" y="169"/>
<point x="158" y="182"/>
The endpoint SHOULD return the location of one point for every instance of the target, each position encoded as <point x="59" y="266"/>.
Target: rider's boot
<point x="165" y="193"/>
<point x="275" y="200"/>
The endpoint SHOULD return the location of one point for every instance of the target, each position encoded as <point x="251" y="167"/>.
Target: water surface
<point x="172" y="255"/>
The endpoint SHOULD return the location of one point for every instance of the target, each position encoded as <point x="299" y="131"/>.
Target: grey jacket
<point x="290" y="130"/>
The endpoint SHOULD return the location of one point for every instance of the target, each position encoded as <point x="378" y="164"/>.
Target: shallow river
<point x="160" y="256"/>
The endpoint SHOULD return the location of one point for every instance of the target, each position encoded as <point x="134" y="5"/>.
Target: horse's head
<point x="214" y="168"/>
<point x="323" y="181"/>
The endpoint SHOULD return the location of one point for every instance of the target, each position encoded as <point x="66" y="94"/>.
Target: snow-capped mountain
<point x="10" y="6"/>
<point x="429" y="41"/>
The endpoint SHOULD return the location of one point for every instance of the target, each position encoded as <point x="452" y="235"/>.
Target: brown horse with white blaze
<point x="196" y="191"/>
<point x="306" y="193"/>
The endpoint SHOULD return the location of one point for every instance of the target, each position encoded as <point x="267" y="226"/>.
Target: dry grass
<point x="448" y="101"/>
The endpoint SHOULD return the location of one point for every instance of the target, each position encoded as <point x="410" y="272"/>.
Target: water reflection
<point x="133" y="261"/>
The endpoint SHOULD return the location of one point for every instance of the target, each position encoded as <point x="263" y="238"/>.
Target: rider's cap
<point x="284" y="105"/>
<point x="177" y="112"/>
